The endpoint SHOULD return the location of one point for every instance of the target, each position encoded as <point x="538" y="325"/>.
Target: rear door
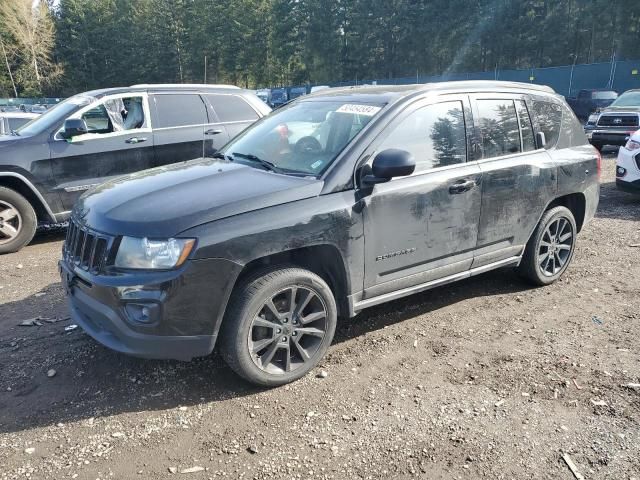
<point x="424" y="227"/>
<point x="517" y="177"/>
<point x="179" y="121"/>
<point x="233" y="111"/>
<point x="116" y="144"/>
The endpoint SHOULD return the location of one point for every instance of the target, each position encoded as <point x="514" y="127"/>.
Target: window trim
<point x="533" y="132"/>
<point x="99" y="101"/>
<point x="370" y="151"/>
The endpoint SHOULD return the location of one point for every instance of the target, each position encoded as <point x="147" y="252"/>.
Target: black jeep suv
<point x="341" y="200"/>
<point x="94" y="136"/>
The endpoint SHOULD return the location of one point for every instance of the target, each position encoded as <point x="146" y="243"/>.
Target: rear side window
<point x="175" y="110"/>
<point x="526" y="129"/>
<point x="549" y="116"/>
<point x="499" y="127"/>
<point x="232" y="108"/>
<point x="434" y="135"/>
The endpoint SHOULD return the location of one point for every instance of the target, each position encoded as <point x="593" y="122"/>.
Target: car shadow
<point x="616" y="204"/>
<point x="93" y="381"/>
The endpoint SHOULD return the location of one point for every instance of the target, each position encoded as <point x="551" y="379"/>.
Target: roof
<point x="388" y="93"/>
<point x="159" y="86"/>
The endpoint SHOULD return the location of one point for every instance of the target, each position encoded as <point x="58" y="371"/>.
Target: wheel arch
<point x="325" y="260"/>
<point x="20" y="184"/>
<point x="576" y="203"/>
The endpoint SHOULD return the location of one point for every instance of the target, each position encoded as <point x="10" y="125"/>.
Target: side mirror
<point x="388" y="164"/>
<point x="73" y="127"/>
<point x="541" y="141"/>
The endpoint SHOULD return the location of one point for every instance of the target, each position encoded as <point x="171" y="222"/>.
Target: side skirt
<point x="355" y="306"/>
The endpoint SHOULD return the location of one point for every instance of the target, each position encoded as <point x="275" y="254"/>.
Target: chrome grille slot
<point x="85" y="248"/>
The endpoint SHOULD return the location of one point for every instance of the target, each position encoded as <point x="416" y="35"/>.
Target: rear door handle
<point x="135" y="140"/>
<point x="462" y="187"/>
<point x="213" y="131"/>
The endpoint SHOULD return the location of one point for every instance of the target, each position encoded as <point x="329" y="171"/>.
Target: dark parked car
<point x="12" y="121"/>
<point x="590" y="101"/>
<point x="393" y="190"/>
<point x="616" y="123"/>
<point x="94" y="136"/>
<point x="278" y="97"/>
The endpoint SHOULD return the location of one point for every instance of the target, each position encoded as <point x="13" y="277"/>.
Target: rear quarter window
<point x="571" y="131"/>
<point x="232" y="108"/>
<point x="549" y="116"/>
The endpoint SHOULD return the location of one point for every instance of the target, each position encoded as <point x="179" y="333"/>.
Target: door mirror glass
<point x="73" y="127"/>
<point x="390" y="163"/>
<point x="541" y="141"/>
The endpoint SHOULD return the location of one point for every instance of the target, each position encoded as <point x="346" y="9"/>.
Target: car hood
<point x="610" y="109"/>
<point x="164" y="201"/>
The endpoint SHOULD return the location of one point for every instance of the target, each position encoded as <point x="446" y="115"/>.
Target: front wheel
<point x="18" y="221"/>
<point x="278" y="326"/>
<point x="550" y="248"/>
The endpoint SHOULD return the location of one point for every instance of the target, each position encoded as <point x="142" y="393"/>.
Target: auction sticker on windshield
<point x="368" y="110"/>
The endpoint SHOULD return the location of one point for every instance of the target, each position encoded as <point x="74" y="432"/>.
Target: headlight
<point x="632" y="145"/>
<point x="593" y="118"/>
<point x="146" y="253"/>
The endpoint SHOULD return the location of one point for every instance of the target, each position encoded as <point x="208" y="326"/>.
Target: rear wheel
<point x="18" y="221"/>
<point x="278" y="326"/>
<point x="550" y="249"/>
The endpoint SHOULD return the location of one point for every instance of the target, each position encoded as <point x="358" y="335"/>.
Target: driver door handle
<point x="135" y="140"/>
<point x="462" y="187"/>
<point x="213" y="131"/>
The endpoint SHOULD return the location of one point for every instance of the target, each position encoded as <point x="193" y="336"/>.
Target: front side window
<point x="303" y="138"/>
<point x="499" y="127"/>
<point x="232" y="108"/>
<point x="434" y="135"/>
<point x="115" y="115"/>
<point x="180" y="110"/>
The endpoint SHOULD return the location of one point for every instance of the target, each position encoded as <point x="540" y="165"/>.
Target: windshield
<point x="628" y="99"/>
<point x="54" y="115"/>
<point x="305" y="137"/>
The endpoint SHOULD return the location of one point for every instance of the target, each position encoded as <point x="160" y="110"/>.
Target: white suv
<point x="628" y="165"/>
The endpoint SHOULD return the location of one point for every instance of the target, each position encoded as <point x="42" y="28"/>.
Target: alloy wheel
<point x="288" y="330"/>
<point x="10" y="222"/>
<point x="555" y="247"/>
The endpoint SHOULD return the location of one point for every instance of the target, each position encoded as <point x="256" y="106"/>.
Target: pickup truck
<point x="589" y="101"/>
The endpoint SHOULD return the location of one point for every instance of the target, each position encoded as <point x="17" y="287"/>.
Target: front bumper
<point x="601" y="136"/>
<point x="186" y="308"/>
<point x="628" y="170"/>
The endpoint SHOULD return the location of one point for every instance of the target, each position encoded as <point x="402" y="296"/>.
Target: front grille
<point x="85" y="248"/>
<point x="618" y="120"/>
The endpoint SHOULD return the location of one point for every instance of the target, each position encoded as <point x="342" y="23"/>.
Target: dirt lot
<point x="487" y="378"/>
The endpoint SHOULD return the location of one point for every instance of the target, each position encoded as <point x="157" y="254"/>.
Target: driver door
<point x="111" y="147"/>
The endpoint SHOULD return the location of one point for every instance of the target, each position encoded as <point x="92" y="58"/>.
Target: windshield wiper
<point x="222" y="156"/>
<point x="254" y="158"/>
<point x="15" y="133"/>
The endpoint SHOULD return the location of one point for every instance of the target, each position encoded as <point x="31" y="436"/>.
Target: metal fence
<point x="566" y="80"/>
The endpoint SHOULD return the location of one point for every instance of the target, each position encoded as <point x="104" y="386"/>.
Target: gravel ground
<point x="486" y="378"/>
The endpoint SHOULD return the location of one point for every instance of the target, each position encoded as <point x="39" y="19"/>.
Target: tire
<point x="541" y="264"/>
<point x="267" y="348"/>
<point x="18" y="221"/>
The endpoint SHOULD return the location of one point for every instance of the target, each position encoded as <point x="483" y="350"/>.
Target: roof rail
<point x="183" y="85"/>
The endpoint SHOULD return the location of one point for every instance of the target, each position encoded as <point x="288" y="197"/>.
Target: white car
<point x="628" y="165"/>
